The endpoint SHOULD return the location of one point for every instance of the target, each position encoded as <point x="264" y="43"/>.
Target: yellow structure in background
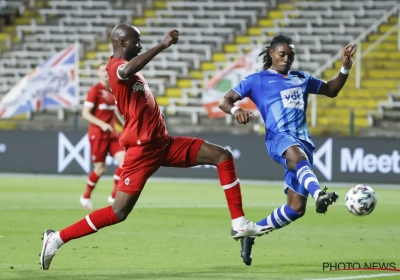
<point x="380" y="73"/>
<point x="9" y="32"/>
<point x="217" y="57"/>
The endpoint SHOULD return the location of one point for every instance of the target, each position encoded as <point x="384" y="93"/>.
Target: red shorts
<point x="142" y="161"/>
<point x="100" y="148"/>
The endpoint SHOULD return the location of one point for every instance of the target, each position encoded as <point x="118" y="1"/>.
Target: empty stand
<point x="379" y="76"/>
<point x="213" y="33"/>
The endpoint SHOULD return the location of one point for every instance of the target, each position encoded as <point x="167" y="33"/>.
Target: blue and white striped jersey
<point x="281" y="100"/>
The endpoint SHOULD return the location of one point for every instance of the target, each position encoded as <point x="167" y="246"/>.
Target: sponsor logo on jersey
<point x="293" y="98"/>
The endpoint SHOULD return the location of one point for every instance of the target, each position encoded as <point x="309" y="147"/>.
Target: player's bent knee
<point x="222" y="155"/>
<point x="293" y="156"/>
<point x="212" y="154"/>
<point x="122" y="209"/>
<point x="100" y="170"/>
<point x="121" y="213"/>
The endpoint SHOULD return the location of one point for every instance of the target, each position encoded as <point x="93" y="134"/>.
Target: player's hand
<point x="106" y="127"/>
<point x="242" y="116"/>
<point x="172" y="37"/>
<point x="347" y="55"/>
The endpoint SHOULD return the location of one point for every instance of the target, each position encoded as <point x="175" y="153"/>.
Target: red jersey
<point x="103" y="105"/>
<point x="144" y="121"/>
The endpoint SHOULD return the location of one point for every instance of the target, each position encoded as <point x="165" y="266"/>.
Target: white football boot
<point x="51" y="243"/>
<point x="86" y="203"/>
<point x="248" y="228"/>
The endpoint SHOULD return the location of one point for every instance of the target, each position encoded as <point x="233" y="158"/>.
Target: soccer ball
<point x="360" y="200"/>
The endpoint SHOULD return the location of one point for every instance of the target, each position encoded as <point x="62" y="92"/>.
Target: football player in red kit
<point x="148" y="147"/>
<point x="99" y="110"/>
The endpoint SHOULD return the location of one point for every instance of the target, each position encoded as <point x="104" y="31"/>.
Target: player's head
<point x="279" y="55"/>
<point x="125" y="40"/>
<point x="102" y="73"/>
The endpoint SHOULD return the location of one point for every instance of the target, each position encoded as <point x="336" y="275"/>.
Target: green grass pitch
<point x="182" y="231"/>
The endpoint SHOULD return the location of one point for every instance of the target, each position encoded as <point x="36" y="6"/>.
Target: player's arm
<point x="137" y="63"/>
<point x="87" y="109"/>
<point x="87" y="115"/>
<point x="118" y="118"/>
<point x="332" y="87"/>
<point x="227" y="104"/>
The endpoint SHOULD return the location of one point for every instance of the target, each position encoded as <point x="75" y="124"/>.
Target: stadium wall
<point x="355" y="160"/>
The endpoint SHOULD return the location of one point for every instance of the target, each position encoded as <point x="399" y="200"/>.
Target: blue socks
<point x="280" y="217"/>
<point x="307" y="178"/>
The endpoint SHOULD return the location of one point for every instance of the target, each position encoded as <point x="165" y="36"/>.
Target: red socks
<point x="106" y="217"/>
<point x="231" y="185"/>
<point x="93" y="178"/>
<point x="91" y="183"/>
<point x="92" y="223"/>
<point x="116" y="177"/>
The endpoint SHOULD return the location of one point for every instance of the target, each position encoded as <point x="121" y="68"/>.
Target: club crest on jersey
<point x="297" y="80"/>
<point x="138" y="86"/>
<point x="293" y="98"/>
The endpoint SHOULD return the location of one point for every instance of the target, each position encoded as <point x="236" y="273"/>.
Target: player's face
<point x="102" y="73"/>
<point x="132" y="46"/>
<point x="282" y="57"/>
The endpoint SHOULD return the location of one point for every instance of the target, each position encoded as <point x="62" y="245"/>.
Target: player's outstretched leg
<point x="279" y="218"/>
<point x="116" y="177"/>
<point x="118" y="212"/>
<point x="297" y="160"/>
<point x="215" y="155"/>
<point x="98" y="170"/>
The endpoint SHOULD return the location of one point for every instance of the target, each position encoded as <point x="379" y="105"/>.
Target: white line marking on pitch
<point x="359" y="277"/>
<point x="191" y="180"/>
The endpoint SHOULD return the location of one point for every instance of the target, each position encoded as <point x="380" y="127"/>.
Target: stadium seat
<point x="213" y="33"/>
<point x="379" y="76"/>
<point x="317" y="32"/>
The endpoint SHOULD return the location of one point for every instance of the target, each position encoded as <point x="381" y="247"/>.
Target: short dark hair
<point x="278" y="39"/>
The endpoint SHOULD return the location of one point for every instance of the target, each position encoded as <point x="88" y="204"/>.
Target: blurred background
<point x="219" y="45"/>
<point x="49" y="54"/>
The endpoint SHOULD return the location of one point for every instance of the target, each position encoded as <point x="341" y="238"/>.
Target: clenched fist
<point x="242" y="116"/>
<point x="172" y="37"/>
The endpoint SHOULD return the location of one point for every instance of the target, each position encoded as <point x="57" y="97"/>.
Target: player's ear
<point x="270" y="51"/>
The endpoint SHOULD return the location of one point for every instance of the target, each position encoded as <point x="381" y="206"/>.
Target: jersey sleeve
<point x="243" y="89"/>
<point x="116" y="66"/>
<point x="314" y="84"/>
<point x="91" y="98"/>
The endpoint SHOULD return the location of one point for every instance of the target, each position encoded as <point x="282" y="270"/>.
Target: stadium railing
<point x="55" y="33"/>
<point x="188" y="52"/>
<point x="384" y="18"/>
<point x="315" y="44"/>
<point x="41" y="40"/>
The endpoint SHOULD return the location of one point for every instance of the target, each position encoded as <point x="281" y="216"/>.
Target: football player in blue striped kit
<point x="281" y="97"/>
